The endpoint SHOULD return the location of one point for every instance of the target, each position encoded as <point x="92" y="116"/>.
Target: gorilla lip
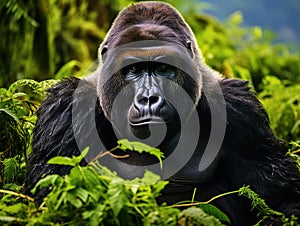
<point x="149" y="120"/>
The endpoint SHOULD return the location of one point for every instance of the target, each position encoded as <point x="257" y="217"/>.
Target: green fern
<point x="11" y="167"/>
<point x="258" y="202"/>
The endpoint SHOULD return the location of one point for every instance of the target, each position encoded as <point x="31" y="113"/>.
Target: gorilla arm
<point x="259" y="157"/>
<point x="54" y="135"/>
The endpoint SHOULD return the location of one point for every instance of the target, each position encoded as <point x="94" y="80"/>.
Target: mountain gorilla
<point x="153" y="86"/>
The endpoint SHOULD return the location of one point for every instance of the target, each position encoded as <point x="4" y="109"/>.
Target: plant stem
<point x="17" y="194"/>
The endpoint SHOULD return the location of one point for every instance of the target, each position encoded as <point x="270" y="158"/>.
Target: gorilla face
<point x="139" y="85"/>
<point x="149" y="105"/>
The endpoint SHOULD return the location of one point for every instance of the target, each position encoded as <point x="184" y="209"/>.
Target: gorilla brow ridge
<point x="147" y="32"/>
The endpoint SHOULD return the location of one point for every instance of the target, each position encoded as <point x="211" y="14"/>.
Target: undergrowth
<point x="93" y="195"/>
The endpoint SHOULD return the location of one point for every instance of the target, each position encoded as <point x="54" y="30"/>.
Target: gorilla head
<point x="147" y="53"/>
<point x="140" y="73"/>
<point x="150" y="82"/>
<point x="154" y="87"/>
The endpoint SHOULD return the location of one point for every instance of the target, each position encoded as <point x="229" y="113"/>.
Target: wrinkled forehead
<point x="148" y="51"/>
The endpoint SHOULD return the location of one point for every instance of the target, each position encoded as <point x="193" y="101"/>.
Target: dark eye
<point x="164" y="70"/>
<point x="133" y="69"/>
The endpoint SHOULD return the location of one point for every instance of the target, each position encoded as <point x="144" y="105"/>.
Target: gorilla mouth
<point x="149" y="120"/>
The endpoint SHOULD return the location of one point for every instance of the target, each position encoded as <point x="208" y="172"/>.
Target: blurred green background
<point x="59" y="38"/>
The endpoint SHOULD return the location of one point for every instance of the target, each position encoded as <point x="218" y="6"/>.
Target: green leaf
<point x="67" y="69"/>
<point x="236" y="18"/>
<point x="10" y="114"/>
<point x="117" y="196"/>
<point x="150" y="178"/>
<point x="73" y="199"/>
<point x="58" y="199"/>
<point x="61" y="160"/>
<point x="82" y="155"/>
<point x="47" y="181"/>
<point x="135" y="146"/>
<point x="197" y="216"/>
<point x="257" y="32"/>
<point x="91" y="178"/>
<point x="162" y="217"/>
<point x="14" y="209"/>
<point x="20" y="96"/>
<point x="95" y="216"/>
<point x="74" y="161"/>
<point x="214" y="211"/>
<point x="82" y="194"/>
<point x="74" y="177"/>
<point x="23" y="82"/>
<point x="124" y="144"/>
<point x="10" y="169"/>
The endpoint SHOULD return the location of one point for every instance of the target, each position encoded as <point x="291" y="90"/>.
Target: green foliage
<point x="265" y="210"/>
<point x="90" y="195"/>
<point x="74" y="161"/>
<point x="197" y="216"/>
<point x="18" y="104"/>
<point x="294" y="152"/>
<point x="214" y="211"/>
<point x="258" y="202"/>
<point x="55" y="32"/>
<point x="162" y="217"/>
<point x="10" y="171"/>
<point x="282" y="101"/>
<point x="93" y="195"/>
<point x="102" y="197"/>
<point x="17" y="9"/>
<point x="247" y="52"/>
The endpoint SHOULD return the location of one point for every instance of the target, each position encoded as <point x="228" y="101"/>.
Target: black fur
<point x="251" y="154"/>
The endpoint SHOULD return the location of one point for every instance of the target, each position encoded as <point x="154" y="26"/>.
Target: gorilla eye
<point x="164" y="70"/>
<point x="134" y="69"/>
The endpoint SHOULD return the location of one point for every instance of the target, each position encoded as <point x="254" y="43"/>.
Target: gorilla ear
<point x="103" y="51"/>
<point x="190" y="46"/>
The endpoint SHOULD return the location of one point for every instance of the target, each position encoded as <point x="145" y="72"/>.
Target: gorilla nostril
<point x="153" y="100"/>
<point x="142" y="100"/>
<point x="148" y="101"/>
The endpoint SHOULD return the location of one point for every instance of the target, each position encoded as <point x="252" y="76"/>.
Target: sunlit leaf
<point x="214" y="211"/>
<point x="124" y="144"/>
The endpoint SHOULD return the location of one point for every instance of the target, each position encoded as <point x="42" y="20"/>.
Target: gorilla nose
<point x="152" y="100"/>
<point x="149" y="104"/>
